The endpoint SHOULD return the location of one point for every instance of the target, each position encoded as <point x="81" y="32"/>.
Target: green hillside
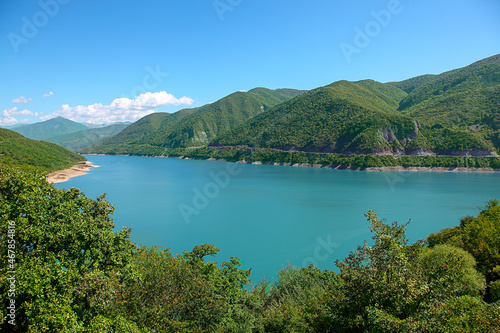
<point x="18" y="151"/>
<point x="456" y="112"/>
<point x="50" y="128"/>
<point x="344" y="116"/>
<point x="78" y="140"/>
<point x="464" y="102"/>
<point x="148" y="128"/>
<point x="197" y="127"/>
<point x="411" y="84"/>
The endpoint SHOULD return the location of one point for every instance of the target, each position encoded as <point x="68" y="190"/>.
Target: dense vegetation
<point x="75" y="274"/>
<point x="314" y="159"/>
<point x="465" y="100"/>
<point x="344" y="116"/>
<point x="18" y="151"/>
<point x="197" y="127"/>
<point x="480" y="237"/>
<point x="454" y="113"/>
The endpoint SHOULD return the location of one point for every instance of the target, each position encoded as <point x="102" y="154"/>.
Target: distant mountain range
<point x="49" y="128"/>
<point x="78" y="140"/>
<point x="454" y="113"/>
<point x="69" y="134"/>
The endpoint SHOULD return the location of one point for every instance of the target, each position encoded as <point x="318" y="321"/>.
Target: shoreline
<point x="334" y="166"/>
<point x="370" y="169"/>
<point x="76" y="170"/>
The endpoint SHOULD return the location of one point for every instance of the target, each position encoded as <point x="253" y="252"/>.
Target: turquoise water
<point x="270" y="216"/>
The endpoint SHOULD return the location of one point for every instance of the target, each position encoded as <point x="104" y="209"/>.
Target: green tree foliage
<point x="64" y="242"/>
<point x="455" y="113"/>
<point x="170" y="295"/>
<point x="298" y="301"/>
<point x="461" y="277"/>
<point x="381" y="281"/>
<point x="393" y="286"/>
<point x="342" y="116"/>
<point x="480" y="236"/>
<point x="89" y="137"/>
<point x="465" y="314"/>
<point x="76" y="274"/>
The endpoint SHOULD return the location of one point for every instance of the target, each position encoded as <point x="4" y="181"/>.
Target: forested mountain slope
<point x="18" y="151"/>
<point x="198" y="126"/>
<point x="454" y="113"/>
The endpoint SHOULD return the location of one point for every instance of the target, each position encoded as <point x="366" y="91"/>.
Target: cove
<point x="272" y="216"/>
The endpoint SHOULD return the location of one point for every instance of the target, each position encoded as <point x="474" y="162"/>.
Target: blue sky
<point x="104" y="61"/>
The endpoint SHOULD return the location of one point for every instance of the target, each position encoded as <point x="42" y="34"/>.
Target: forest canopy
<point x="73" y="272"/>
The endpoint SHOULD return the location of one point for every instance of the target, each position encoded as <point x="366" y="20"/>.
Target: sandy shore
<point x="75" y="171"/>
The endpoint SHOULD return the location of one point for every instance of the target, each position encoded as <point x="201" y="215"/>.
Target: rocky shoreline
<point x="343" y="166"/>
<point x="370" y="169"/>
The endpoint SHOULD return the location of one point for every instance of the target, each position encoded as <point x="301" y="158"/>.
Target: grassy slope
<point x="18" y="151"/>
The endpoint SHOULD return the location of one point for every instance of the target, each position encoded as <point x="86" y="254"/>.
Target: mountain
<point x="78" y="140"/>
<point x="148" y="129"/>
<point x="411" y="84"/>
<point x="198" y="126"/>
<point x="19" y="151"/>
<point x="50" y="128"/>
<point x="462" y="105"/>
<point x="454" y="113"/>
<point x="342" y="117"/>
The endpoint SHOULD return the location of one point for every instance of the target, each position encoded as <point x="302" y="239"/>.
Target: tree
<point x="393" y="286"/>
<point x="480" y="236"/>
<point x="62" y="239"/>
<point x="381" y="281"/>
<point x="451" y="272"/>
<point x="298" y="301"/>
<point x="186" y="294"/>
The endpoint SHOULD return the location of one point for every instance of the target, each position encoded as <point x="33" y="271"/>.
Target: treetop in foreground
<point x="75" y="273"/>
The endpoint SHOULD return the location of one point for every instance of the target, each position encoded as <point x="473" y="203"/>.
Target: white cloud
<point x="10" y="112"/>
<point x="120" y="109"/>
<point x="22" y="99"/>
<point x="7" y="116"/>
<point x="49" y="94"/>
<point x="8" y="121"/>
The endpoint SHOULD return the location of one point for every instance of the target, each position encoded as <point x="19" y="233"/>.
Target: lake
<point x="272" y="216"/>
